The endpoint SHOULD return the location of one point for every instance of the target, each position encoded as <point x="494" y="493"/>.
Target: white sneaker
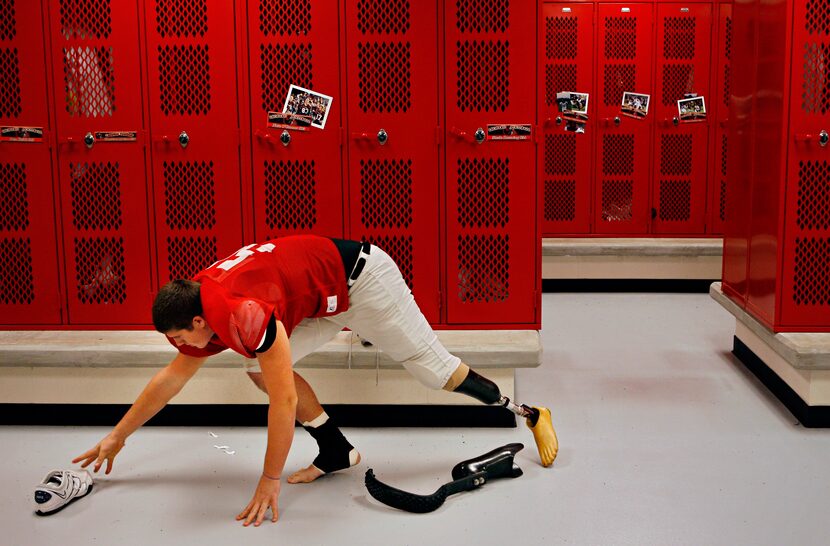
<point x="60" y="488"/>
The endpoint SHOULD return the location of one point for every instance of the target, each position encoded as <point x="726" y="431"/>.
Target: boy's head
<point x="178" y="313"/>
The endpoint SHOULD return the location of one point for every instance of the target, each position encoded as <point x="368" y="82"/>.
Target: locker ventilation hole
<point x="285" y="17"/>
<point x="561" y="38"/>
<point x="728" y="44"/>
<point x="679" y="38"/>
<point x="14" y="197"/>
<point x="8" y="28"/>
<point x="727" y="85"/>
<point x="383" y="16"/>
<point x="181" y="18"/>
<point x="290" y="195"/>
<point x="85" y="19"/>
<point x="620" y="38"/>
<point x="560" y="154"/>
<point x="813" y="195"/>
<point x="483" y="76"/>
<point x="722" y="205"/>
<point x="384" y="70"/>
<point x="483" y="15"/>
<point x="675" y="200"/>
<point x="483" y="268"/>
<point x="483" y="192"/>
<point x="816" y="92"/>
<point x="399" y="248"/>
<point x="17" y="284"/>
<point x="618" y="78"/>
<point x="100" y="273"/>
<point x="386" y="193"/>
<point x="189" y="255"/>
<point x="617" y="155"/>
<point x="89" y="81"/>
<point x="617" y="200"/>
<point x="560" y="200"/>
<point x="184" y="74"/>
<point x="811" y="285"/>
<point x="96" y="196"/>
<point x="558" y="78"/>
<point x="724" y="141"/>
<point x="9" y="84"/>
<point x="676" y="155"/>
<point x="818" y="17"/>
<point x="189" y="194"/>
<point x="283" y="65"/>
<point x="678" y="79"/>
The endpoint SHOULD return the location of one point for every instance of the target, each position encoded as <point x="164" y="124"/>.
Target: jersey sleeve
<point x="249" y="325"/>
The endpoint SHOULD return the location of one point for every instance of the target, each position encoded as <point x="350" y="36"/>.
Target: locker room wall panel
<point x="29" y="290"/>
<point x="722" y="92"/>
<point x="491" y="185"/>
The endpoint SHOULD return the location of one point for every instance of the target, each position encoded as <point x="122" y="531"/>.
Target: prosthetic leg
<point x="538" y="420"/>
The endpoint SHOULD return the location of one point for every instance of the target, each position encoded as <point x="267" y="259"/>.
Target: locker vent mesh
<point x="560" y="154"/>
<point x="678" y="79"/>
<point x="184" y="74"/>
<point x="814" y="195"/>
<point x="283" y="65"/>
<point x="383" y="72"/>
<point x="9" y="83"/>
<point x="96" y="196"/>
<point x="189" y="194"/>
<point x="728" y="46"/>
<point x="100" y="273"/>
<point x="379" y="16"/>
<point x="675" y="200"/>
<point x="724" y="141"/>
<point x="676" y="155"/>
<point x="679" y="38"/>
<point x="818" y="17"/>
<point x="558" y="78"/>
<point x="483" y="68"/>
<point x="618" y="79"/>
<point x="617" y="200"/>
<point x="399" y="248"/>
<point x="8" y="27"/>
<point x="189" y="255"/>
<point x="483" y="192"/>
<point x="722" y="203"/>
<point x="85" y="19"/>
<point x="561" y="38"/>
<point x="386" y="193"/>
<point x="14" y="197"/>
<point x="483" y="15"/>
<point x="727" y="84"/>
<point x="89" y="81"/>
<point x="483" y="268"/>
<point x="620" y="38"/>
<point x="560" y="200"/>
<point x="290" y="195"/>
<point x="16" y="281"/>
<point x="285" y="17"/>
<point x="816" y="92"/>
<point x="617" y="155"/>
<point x="181" y="18"/>
<point x="811" y="285"/>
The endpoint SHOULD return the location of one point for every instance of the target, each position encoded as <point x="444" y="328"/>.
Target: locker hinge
<point x="438" y="132"/>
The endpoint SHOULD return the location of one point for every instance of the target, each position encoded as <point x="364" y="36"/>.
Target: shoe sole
<point x="56" y="510"/>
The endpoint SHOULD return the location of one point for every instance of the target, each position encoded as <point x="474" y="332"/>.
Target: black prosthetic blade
<point x="419" y="504"/>
<point x="497" y="463"/>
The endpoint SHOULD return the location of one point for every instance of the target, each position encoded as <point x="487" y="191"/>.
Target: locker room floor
<point x="665" y="439"/>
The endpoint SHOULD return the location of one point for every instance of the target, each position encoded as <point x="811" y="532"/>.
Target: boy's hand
<point x="106" y="449"/>
<point x="266" y="495"/>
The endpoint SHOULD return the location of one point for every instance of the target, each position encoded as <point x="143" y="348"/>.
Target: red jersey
<point x="290" y="278"/>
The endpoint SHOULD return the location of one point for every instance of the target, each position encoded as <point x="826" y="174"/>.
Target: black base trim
<point x="256" y="415"/>
<point x="685" y="286"/>
<point x="809" y="416"/>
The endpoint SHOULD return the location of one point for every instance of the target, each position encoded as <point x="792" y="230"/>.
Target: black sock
<point x="334" y="448"/>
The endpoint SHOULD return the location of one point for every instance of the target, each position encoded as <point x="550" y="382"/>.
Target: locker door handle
<point x="550" y="121"/>
<point x="263" y="135"/>
<point x="823" y="137"/>
<point x="615" y="120"/>
<point x="456" y="132"/>
<point x="668" y="122"/>
<point x="361" y="136"/>
<point x="182" y="138"/>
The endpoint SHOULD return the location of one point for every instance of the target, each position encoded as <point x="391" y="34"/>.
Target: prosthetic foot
<point x="545" y="436"/>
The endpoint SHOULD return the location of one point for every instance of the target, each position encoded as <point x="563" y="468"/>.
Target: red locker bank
<point x="141" y="145"/>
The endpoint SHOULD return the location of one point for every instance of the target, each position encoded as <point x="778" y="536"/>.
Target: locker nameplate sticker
<point x="116" y="136"/>
<point x="292" y="122"/>
<point x="21" y="134"/>
<point x="509" y="131"/>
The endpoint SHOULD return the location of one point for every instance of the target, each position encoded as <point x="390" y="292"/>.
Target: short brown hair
<point x="176" y="304"/>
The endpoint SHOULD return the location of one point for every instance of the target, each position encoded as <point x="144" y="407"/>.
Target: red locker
<point x="297" y="174"/>
<point x="721" y="94"/>
<point x="681" y="149"/>
<point x="565" y="157"/>
<point x="392" y="91"/>
<point x="29" y="289"/>
<point x="491" y="184"/>
<point x="623" y="152"/>
<point x="95" y="58"/>
<point x="194" y="130"/>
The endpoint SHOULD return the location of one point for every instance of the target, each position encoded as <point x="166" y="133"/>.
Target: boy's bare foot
<point x="311" y="473"/>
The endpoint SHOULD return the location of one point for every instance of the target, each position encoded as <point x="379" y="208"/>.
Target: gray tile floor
<point x="665" y="439"/>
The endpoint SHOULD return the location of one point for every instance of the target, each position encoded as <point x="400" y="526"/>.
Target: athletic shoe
<point x="59" y="489"/>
